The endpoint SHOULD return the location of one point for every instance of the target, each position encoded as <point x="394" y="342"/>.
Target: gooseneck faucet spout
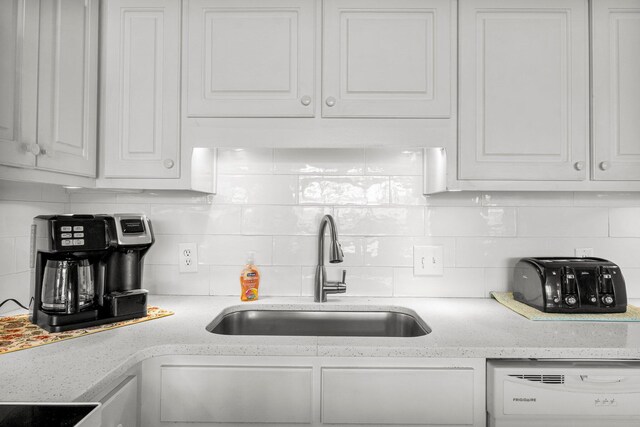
<point x="322" y="287"/>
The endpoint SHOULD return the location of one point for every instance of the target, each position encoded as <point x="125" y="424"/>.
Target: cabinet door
<point x="120" y="406"/>
<point x="18" y="81"/>
<point x="616" y="89"/>
<point x="386" y="58"/>
<point x="68" y="86"/>
<point x="397" y="396"/>
<point x="140" y="126"/>
<point x="250" y="58"/>
<point x="236" y="394"/>
<point x="523" y="83"/>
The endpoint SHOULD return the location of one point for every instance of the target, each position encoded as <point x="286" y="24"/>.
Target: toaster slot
<point x="605" y="286"/>
<point x="569" y="287"/>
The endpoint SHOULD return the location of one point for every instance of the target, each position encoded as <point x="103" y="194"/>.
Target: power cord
<point x="17" y="302"/>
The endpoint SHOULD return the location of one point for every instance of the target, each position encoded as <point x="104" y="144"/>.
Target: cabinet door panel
<point x="18" y="80"/>
<point x="140" y="127"/>
<point x="68" y="85"/>
<point x="523" y="90"/>
<point x="397" y="396"/>
<point x="238" y="394"/>
<point x="120" y="407"/>
<point x="249" y="58"/>
<point x="616" y="90"/>
<point x="386" y="58"/>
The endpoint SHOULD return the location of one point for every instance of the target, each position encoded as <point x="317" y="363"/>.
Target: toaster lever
<point x="569" y="287"/>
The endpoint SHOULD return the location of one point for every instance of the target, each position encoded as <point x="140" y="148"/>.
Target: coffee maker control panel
<point x="70" y="233"/>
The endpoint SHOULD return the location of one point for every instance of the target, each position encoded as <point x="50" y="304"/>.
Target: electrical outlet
<point x="583" y="252"/>
<point x="188" y="257"/>
<point x="428" y="261"/>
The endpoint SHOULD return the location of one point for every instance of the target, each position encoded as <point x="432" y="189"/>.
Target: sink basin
<point x="319" y="323"/>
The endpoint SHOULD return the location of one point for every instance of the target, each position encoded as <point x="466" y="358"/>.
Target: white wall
<point x="271" y="201"/>
<point x="19" y="203"/>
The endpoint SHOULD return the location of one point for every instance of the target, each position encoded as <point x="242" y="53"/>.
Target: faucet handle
<point x="344" y="277"/>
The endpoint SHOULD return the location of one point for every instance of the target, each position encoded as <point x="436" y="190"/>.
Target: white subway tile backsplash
<point x="282" y="220"/>
<point x="344" y="190"/>
<point x="502" y="252"/>
<point x="92" y="196"/>
<point x="326" y="161"/>
<point x="279" y="281"/>
<point x="23" y="254"/>
<point x="165" y="197"/>
<point x="532" y="198"/>
<point x="167" y="279"/>
<point x="562" y="222"/>
<point x="7" y="256"/>
<point x="245" y="161"/>
<point x="497" y="280"/>
<point x="624" y="222"/>
<point x="391" y="221"/>
<point x="393" y="161"/>
<point x="195" y="219"/>
<point x="20" y="191"/>
<point x="398" y="251"/>
<point x="17" y="217"/>
<point x="15" y="286"/>
<point x="361" y="281"/>
<point x="613" y="198"/>
<point x="225" y="280"/>
<point x="407" y="190"/>
<point x="257" y="189"/>
<point x="233" y="250"/>
<point x="455" y="198"/>
<point x="456" y="282"/>
<point x="303" y="250"/>
<point x="462" y="221"/>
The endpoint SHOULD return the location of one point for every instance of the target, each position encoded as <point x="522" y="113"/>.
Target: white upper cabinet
<point x="18" y="81"/>
<point x="140" y="89"/>
<point x="48" y="85"/>
<point x="250" y="58"/>
<point x="524" y="84"/>
<point x="68" y="86"/>
<point x="616" y="89"/>
<point x="386" y="58"/>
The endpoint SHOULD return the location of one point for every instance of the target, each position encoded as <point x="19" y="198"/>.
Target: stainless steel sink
<point x="319" y="323"/>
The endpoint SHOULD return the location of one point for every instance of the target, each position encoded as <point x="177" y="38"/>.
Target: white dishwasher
<point x="553" y="393"/>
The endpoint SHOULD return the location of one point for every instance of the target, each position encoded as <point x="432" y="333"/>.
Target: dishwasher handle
<point x="601" y="379"/>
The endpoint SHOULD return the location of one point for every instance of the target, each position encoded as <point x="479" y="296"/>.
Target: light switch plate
<point x="428" y="261"/>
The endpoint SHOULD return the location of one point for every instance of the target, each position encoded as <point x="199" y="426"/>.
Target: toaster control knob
<point x="570" y="300"/>
<point x="556" y="300"/>
<point x="593" y="299"/>
<point x="607" y="300"/>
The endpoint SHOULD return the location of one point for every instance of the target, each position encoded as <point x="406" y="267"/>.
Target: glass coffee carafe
<point x="68" y="286"/>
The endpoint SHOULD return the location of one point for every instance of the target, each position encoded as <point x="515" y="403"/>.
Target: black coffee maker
<point x="87" y="269"/>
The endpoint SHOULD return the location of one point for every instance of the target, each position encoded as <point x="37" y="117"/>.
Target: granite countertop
<point x="483" y="328"/>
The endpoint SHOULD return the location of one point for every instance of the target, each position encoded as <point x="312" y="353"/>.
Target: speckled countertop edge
<point x="75" y="369"/>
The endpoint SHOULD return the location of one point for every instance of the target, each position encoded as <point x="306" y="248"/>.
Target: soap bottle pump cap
<point x="251" y="258"/>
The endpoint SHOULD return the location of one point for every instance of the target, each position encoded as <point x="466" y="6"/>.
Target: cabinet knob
<point x="578" y="165"/>
<point x="604" y="165"/>
<point x="305" y="100"/>
<point x="168" y="163"/>
<point x="330" y="101"/>
<point x="35" y="149"/>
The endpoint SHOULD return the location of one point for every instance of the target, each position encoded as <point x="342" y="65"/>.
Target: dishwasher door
<point x="541" y="393"/>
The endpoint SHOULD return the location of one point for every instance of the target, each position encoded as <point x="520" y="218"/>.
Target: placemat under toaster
<point x="506" y="299"/>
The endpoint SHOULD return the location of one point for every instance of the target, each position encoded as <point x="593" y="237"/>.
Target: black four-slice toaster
<point x="570" y="285"/>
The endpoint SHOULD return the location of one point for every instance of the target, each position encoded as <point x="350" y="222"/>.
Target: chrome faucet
<point x="322" y="287"/>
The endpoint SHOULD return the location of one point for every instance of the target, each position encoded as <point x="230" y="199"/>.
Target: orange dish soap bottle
<point x="249" y="280"/>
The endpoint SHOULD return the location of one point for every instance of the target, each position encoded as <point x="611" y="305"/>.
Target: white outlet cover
<point x="188" y="257"/>
<point x="583" y="252"/>
<point x="428" y="261"/>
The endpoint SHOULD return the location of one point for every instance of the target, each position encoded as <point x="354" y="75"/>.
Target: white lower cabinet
<point x="120" y="404"/>
<point x="312" y="391"/>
